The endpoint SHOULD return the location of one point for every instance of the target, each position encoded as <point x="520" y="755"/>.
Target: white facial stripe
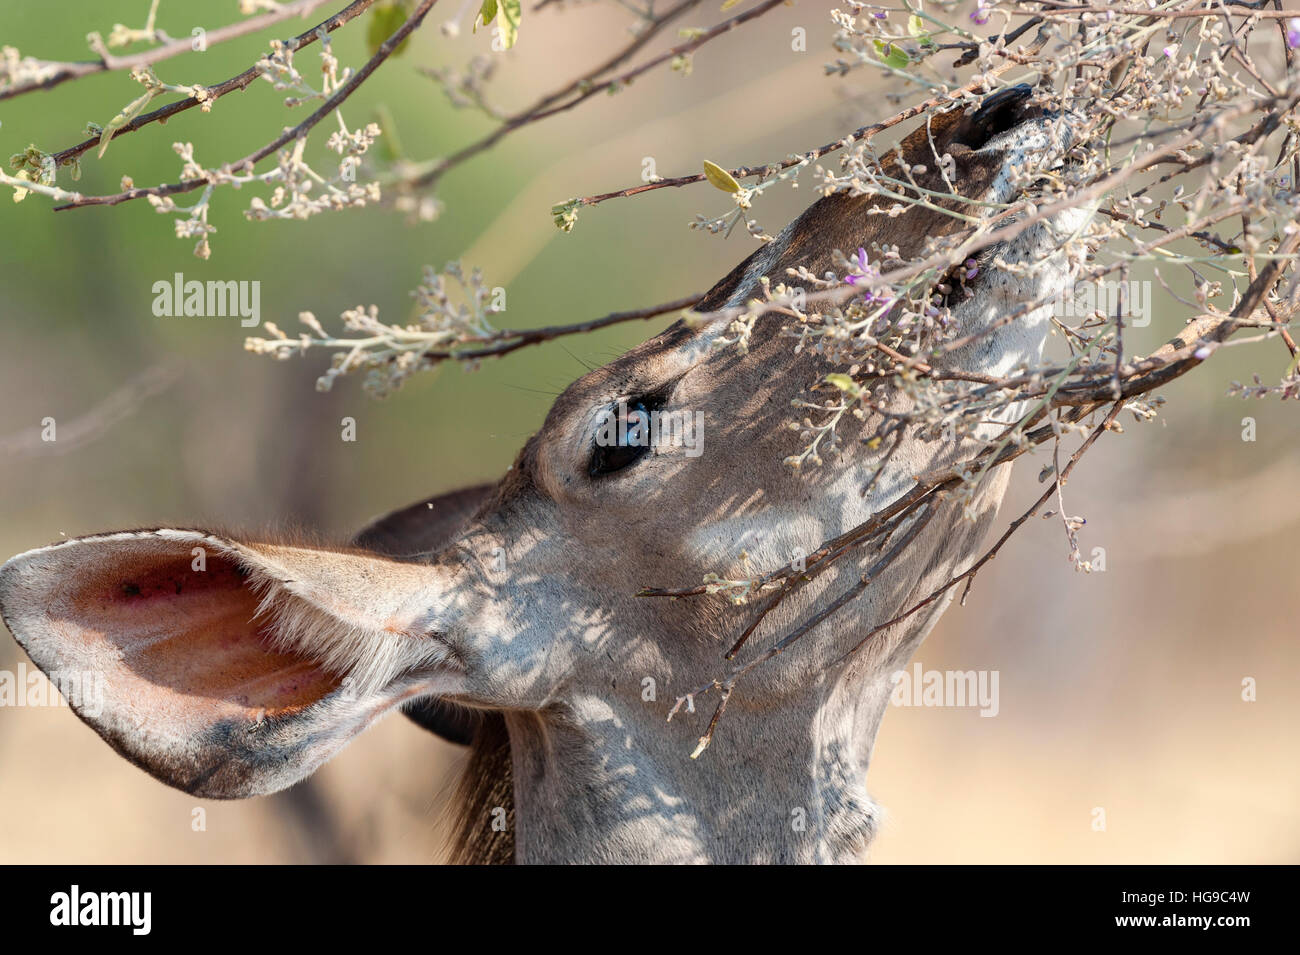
<point x="1029" y="144"/>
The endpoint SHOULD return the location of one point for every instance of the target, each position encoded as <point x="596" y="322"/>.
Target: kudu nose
<point x="1001" y="111"/>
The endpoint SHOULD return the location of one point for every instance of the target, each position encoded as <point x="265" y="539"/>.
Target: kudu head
<point x="233" y="666"/>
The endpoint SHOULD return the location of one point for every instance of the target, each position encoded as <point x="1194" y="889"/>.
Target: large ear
<point x="425" y="528"/>
<point x="225" y="668"/>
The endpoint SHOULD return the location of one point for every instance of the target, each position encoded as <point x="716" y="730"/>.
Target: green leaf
<point x="135" y="108"/>
<point x="892" y="55"/>
<point x="390" y="147"/>
<point x="720" y="178"/>
<point x="915" y="25"/>
<point x="385" y="20"/>
<point x="842" y="382"/>
<point x="21" y="194"/>
<point x="506" y="13"/>
<point x="565" y="214"/>
<point x="508" y="21"/>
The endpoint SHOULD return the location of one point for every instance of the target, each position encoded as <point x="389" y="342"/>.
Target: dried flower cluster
<point x="391" y="353"/>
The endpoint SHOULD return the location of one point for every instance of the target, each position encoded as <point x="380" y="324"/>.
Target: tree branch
<point x="216" y="91"/>
<point x="108" y="63"/>
<point x="289" y="135"/>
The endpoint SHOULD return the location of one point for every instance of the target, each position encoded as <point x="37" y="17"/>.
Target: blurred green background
<point x="1119" y="690"/>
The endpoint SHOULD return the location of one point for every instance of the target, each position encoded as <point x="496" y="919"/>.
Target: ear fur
<point x="425" y="528"/>
<point x="222" y="667"/>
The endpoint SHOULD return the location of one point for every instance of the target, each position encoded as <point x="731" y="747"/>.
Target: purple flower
<point x="868" y="274"/>
<point x="1169" y="51"/>
<point x="863" y="267"/>
<point x="1293" y="32"/>
<point x="972" y="269"/>
<point x="981" y="13"/>
<point x="881" y="16"/>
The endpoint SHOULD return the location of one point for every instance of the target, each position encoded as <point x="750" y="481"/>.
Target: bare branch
<point x="582" y="89"/>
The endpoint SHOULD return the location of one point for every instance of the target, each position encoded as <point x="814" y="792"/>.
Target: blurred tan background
<point x="1119" y="690"/>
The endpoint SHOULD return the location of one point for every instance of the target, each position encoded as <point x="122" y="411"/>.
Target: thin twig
<point x="862" y="134"/>
<point x="586" y="82"/>
<point x="506" y="340"/>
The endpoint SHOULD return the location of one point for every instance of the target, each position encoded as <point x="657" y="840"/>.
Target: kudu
<point x="506" y="616"/>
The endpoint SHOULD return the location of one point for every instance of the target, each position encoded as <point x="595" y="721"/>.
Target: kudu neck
<point x="787" y="784"/>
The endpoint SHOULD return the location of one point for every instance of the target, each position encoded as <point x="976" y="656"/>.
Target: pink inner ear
<point x="193" y="632"/>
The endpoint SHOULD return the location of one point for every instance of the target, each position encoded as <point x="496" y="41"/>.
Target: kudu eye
<point x="623" y="439"/>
